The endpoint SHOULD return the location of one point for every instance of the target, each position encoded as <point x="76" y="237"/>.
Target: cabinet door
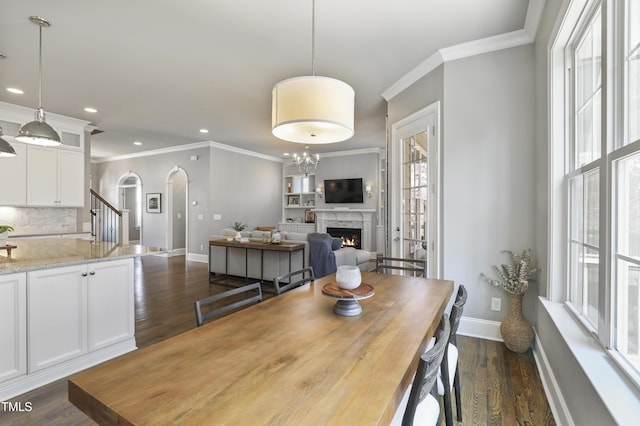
<point x="13" y="332"/>
<point x="42" y="176"/>
<point x="110" y="304"/>
<point x="57" y="315"/>
<point x="71" y="178"/>
<point x="15" y="171"/>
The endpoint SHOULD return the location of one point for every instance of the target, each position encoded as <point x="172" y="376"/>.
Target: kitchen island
<point x="66" y="304"/>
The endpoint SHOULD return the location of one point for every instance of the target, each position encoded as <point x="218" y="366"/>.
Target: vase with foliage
<point x="238" y="227"/>
<point x="514" y="278"/>
<point x="4" y="234"/>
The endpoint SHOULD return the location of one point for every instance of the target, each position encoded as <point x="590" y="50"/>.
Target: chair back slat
<point x="427" y="372"/>
<point x="288" y="281"/>
<point x="457" y="308"/>
<point x="202" y="316"/>
<point x="417" y="267"/>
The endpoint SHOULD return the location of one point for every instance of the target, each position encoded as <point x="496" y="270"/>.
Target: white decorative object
<point x="348" y="277"/>
<point x="3" y="238"/>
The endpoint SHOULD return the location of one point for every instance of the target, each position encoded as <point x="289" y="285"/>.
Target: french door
<point x="415" y="189"/>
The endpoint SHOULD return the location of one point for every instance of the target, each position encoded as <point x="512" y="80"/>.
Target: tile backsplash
<point x="39" y="220"/>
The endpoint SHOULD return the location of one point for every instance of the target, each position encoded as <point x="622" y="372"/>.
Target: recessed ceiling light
<point x="286" y="154"/>
<point x="14" y="90"/>
<point x="137" y="143"/>
<point x="91" y="110"/>
<point x="204" y="131"/>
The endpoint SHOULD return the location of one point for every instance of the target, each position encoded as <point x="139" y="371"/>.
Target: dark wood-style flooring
<point x="499" y="387"/>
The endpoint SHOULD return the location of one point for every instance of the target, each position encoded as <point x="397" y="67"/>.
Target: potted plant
<point x="4" y="234"/>
<point x="238" y="227"/>
<point x="514" y="278"/>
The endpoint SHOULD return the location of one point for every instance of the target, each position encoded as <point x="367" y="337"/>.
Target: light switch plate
<point x="496" y="304"/>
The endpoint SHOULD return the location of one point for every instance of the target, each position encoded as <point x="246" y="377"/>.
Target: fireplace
<point x="351" y="237"/>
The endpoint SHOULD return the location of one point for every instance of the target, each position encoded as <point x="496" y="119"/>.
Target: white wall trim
<point x="177" y="148"/>
<point x="480" y="328"/>
<point x="351" y="152"/>
<point x="484" y="45"/>
<point x="196" y="257"/>
<point x="245" y="152"/>
<point x="556" y="401"/>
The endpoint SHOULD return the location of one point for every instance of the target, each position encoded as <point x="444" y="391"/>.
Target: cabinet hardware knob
<point x="92" y="273"/>
<point x="84" y="274"/>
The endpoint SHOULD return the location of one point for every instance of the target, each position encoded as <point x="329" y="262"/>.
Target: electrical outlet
<point x="496" y="304"/>
<point x="201" y="247"/>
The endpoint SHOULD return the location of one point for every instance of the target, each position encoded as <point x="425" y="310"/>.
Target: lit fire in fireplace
<point x="349" y="242"/>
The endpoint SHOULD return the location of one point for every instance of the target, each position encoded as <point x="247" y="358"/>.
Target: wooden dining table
<point x="288" y="360"/>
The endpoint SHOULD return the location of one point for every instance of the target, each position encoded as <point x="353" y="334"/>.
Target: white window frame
<point x="561" y="161"/>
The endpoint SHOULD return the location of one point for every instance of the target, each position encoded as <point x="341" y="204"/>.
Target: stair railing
<point x="107" y="223"/>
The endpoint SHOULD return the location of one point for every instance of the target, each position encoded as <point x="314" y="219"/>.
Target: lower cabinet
<point x="13" y="332"/>
<point x="74" y="310"/>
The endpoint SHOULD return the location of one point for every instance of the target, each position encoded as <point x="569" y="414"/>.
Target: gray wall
<point x="243" y="189"/>
<point x="489" y="173"/>
<point x="240" y="187"/>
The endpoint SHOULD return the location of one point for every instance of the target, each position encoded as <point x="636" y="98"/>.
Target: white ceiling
<point x="157" y="71"/>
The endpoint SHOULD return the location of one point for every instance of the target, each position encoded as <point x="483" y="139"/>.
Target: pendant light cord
<point x="313" y="37"/>
<point x="40" y="69"/>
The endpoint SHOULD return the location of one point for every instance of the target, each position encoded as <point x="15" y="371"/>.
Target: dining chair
<point x="450" y="361"/>
<point x="419" y="406"/>
<point x="234" y="304"/>
<point x="286" y="282"/>
<point x="417" y="267"/>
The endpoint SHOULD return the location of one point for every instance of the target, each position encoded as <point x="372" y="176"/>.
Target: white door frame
<point x="170" y="205"/>
<point x="123" y="178"/>
<point x="426" y="119"/>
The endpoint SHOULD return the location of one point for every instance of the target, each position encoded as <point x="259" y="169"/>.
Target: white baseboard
<point x="203" y="258"/>
<point x="556" y="401"/>
<point x="482" y="329"/>
<point x="19" y="385"/>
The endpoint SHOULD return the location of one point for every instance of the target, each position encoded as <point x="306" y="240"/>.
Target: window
<point x="602" y="173"/>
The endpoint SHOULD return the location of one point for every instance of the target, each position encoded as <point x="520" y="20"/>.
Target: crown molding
<point x="516" y="38"/>
<point x="178" y="148"/>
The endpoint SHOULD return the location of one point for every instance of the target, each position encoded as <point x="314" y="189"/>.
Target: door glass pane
<point x="415" y="190"/>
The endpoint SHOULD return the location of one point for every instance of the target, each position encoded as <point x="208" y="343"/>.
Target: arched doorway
<point x="177" y="212"/>
<point x="130" y="201"/>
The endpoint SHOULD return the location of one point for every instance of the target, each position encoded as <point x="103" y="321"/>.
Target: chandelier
<point x="312" y="109"/>
<point x="307" y="163"/>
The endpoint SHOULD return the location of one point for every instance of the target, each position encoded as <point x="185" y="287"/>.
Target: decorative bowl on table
<point x="348" y="277"/>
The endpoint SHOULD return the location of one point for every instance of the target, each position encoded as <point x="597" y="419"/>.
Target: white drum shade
<point x="313" y="110"/>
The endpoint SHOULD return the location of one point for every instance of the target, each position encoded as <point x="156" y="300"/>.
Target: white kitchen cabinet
<point x="75" y="310"/>
<point x="13" y="332"/>
<point x="15" y="171"/>
<point x="110" y="304"/>
<point x="55" y="177"/>
<point x="57" y="315"/>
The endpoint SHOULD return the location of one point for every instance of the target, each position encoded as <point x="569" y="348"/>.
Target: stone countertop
<point x="31" y="255"/>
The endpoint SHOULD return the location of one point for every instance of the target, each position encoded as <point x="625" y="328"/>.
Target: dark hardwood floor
<point x="499" y="387"/>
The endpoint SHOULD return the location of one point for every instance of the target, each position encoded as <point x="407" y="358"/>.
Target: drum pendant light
<point x="312" y="109"/>
<point x="38" y="132"/>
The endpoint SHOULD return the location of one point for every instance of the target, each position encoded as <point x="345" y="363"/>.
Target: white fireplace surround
<point x="348" y="218"/>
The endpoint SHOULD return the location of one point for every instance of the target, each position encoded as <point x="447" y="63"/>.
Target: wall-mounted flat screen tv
<point x="343" y="191"/>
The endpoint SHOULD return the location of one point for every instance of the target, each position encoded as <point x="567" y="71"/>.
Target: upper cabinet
<point x="42" y="176"/>
<point x="55" y="177"/>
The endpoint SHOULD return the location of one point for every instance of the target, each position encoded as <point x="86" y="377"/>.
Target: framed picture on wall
<point x="153" y="202"/>
<point x="294" y="200"/>
<point x="309" y="216"/>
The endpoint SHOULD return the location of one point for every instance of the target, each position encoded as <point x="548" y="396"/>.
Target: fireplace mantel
<point x="348" y="218"/>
